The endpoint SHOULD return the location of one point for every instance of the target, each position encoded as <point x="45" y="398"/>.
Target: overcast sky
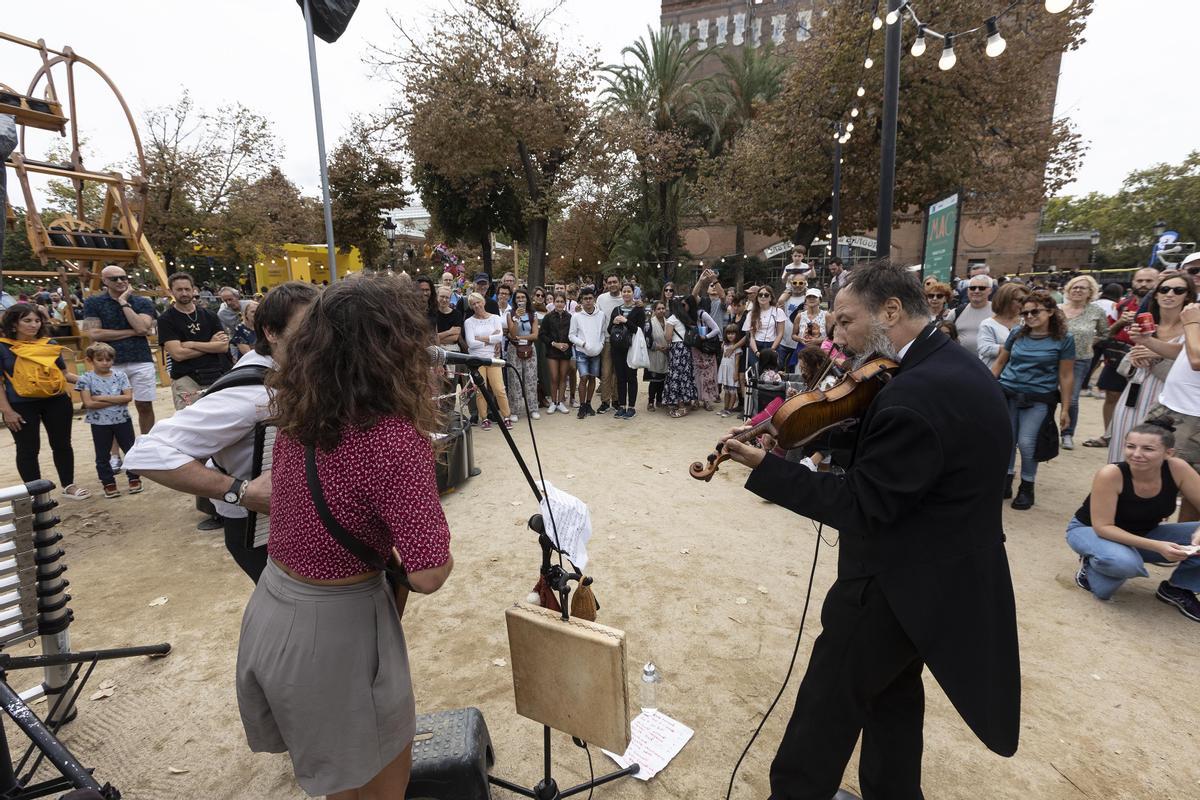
<point x="1127" y="87"/>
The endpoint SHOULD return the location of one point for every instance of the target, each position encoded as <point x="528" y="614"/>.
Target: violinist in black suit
<point x="923" y="576"/>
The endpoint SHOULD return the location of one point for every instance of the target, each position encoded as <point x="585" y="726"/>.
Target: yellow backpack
<point x="35" y="375"/>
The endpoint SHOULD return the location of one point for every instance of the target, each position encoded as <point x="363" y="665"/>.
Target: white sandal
<point x="77" y="492"/>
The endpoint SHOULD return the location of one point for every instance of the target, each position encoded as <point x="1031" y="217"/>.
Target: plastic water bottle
<point x="650" y="681"/>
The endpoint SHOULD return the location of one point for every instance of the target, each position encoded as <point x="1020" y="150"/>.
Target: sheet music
<point x="573" y="522"/>
<point x="656" y="740"/>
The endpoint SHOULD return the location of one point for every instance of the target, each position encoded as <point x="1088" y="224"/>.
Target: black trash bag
<point x="330" y="17"/>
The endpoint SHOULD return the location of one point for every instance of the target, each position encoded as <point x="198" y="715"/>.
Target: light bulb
<point x="837" y="134"/>
<point x="870" y="62"/>
<point x="1056" y="6"/>
<point x="918" y="48"/>
<point x="830" y="217"/>
<point x="849" y="127"/>
<point x="877" y="23"/>
<point x="854" y="112"/>
<point x="891" y="17"/>
<point x="995" y="42"/>
<point x="948" y="59"/>
<point x="861" y="91"/>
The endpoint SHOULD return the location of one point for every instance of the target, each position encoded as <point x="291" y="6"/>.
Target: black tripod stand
<point x="559" y="581"/>
<point x="15" y="781"/>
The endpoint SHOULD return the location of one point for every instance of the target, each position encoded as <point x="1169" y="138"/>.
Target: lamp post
<point x="1095" y="241"/>
<point x="389" y="230"/>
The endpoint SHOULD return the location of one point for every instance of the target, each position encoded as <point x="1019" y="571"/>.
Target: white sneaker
<point x="562" y="408"/>
<point x="512" y="418"/>
<point x="535" y="415"/>
<point x="1068" y="442"/>
<point x="551" y="409"/>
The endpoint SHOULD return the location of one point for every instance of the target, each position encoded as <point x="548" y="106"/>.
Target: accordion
<point x="258" y="526"/>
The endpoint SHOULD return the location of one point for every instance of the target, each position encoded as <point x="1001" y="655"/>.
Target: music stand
<point x="559" y="580"/>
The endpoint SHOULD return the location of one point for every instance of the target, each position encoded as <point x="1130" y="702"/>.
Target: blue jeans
<point x="1082" y="367"/>
<point x="589" y="366"/>
<point x="1111" y="563"/>
<point x="1026" y="422"/>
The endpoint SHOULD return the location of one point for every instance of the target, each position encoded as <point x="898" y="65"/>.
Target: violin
<point x="805" y="416"/>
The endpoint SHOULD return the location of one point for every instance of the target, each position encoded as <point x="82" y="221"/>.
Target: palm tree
<point x="655" y="88"/>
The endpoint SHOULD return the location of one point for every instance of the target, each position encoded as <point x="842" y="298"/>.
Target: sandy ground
<point x="1110" y="704"/>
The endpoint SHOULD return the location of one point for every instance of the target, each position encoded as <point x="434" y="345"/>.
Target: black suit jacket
<point x="920" y="511"/>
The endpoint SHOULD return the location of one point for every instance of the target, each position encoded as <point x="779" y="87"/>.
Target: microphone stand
<point x="559" y="580"/>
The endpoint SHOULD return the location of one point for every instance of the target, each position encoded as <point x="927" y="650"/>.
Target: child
<point x="106" y="395"/>
<point x="727" y="372"/>
<point x="768" y="367"/>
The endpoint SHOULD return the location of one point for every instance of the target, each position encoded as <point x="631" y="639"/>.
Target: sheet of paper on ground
<point x="656" y="740"/>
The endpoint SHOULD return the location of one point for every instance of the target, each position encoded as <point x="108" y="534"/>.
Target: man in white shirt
<point x="587" y="333"/>
<point x="969" y="317"/>
<point x="606" y="302"/>
<point x="1180" y="400"/>
<point x="207" y="449"/>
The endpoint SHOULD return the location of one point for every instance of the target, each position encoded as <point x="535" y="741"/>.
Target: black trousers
<point x="55" y="414"/>
<point x="102" y="439"/>
<point x="252" y="560"/>
<point x="864" y="676"/>
<point x="627" y="378"/>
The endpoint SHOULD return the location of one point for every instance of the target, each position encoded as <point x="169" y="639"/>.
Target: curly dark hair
<point x="1058" y="323"/>
<point x="13" y="315"/>
<point x="359" y="356"/>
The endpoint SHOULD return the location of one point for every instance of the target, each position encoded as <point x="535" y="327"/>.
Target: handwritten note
<point x="570" y="520"/>
<point x="656" y="740"/>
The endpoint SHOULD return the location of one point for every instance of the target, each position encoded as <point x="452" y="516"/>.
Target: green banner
<point x="941" y="238"/>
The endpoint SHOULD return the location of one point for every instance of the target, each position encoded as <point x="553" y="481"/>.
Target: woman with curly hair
<point x="1036" y="369"/>
<point x="322" y="670"/>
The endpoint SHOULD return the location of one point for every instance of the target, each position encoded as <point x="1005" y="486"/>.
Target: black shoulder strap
<point x="356" y="547"/>
<point x="253" y="375"/>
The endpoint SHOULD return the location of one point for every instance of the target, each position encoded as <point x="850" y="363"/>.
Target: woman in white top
<point x="764" y="323"/>
<point x="1151" y="358"/>
<point x="993" y="332"/>
<point x="484" y="332"/>
<point x="809" y="328"/>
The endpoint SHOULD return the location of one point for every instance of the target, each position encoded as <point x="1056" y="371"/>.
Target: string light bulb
<point x="948" y="59"/>
<point x="1057" y="6"/>
<point x="918" y="47"/>
<point x="849" y="127"/>
<point x="861" y="91"/>
<point x="893" y="15"/>
<point x="870" y="62"/>
<point x="995" y="42"/>
<point x="876" y="23"/>
<point x="854" y="112"/>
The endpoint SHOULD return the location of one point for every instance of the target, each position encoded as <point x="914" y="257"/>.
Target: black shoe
<point x="629" y="412"/>
<point x="620" y="414"/>
<point x="1182" y="599"/>
<point x="844" y="795"/>
<point x="1081" y="577"/>
<point x="582" y="411"/>
<point x="211" y="524"/>
<point x="604" y="407"/>
<point x="591" y="412"/>
<point x="1024" y="498"/>
<point x="1008" y="482"/>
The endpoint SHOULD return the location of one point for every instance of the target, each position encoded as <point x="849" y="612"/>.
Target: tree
<point x="363" y="181"/>
<point x="1125" y="219"/>
<point x="489" y="100"/>
<point x="264" y="215"/>
<point x="62" y="196"/>
<point x="471" y="216"/>
<point x="196" y="163"/>
<point x="984" y="127"/>
<point x="651" y="100"/>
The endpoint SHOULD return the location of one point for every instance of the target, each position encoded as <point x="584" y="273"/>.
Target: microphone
<point x="441" y="357"/>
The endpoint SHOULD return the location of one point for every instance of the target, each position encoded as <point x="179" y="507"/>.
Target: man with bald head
<point x="124" y="320"/>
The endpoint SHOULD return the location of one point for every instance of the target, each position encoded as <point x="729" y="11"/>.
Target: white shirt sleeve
<point x="206" y="429"/>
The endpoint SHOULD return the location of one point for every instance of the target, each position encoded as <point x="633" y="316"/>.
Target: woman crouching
<point x="1120" y="524"/>
<point x="322" y="667"/>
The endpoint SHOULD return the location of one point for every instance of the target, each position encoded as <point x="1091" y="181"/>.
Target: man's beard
<point x="878" y="346"/>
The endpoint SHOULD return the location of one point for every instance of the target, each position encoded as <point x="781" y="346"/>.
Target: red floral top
<point x="379" y="484"/>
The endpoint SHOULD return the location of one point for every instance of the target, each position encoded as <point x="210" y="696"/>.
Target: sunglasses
<point x="935" y="297"/>
<point x="764" y="294"/>
<point x="1033" y="312"/>
<point x="977" y="288"/>
<point x="1172" y="290"/>
<point x="1193" y="270"/>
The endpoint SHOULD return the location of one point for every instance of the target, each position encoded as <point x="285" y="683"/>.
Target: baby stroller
<point x="759" y="393"/>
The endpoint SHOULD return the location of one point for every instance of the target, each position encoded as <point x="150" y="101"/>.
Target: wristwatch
<point x="236" y="491"/>
<point x="125" y="305"/>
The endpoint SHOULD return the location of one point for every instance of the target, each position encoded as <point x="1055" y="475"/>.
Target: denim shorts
<point x="588" y="365"/>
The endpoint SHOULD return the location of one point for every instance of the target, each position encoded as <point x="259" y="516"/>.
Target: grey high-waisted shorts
<point x="322" y="673"/>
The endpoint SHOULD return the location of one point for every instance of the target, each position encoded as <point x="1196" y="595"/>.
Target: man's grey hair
<point x="879" y="281"/>
<point x="991" y="281"/>
<point x="225" y="289"/>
